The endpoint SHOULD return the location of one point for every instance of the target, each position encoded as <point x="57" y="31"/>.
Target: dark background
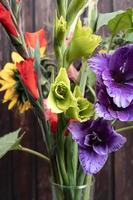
<point x="23" y="177"/>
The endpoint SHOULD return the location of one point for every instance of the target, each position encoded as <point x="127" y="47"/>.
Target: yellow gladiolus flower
<point x="13" y="88"/>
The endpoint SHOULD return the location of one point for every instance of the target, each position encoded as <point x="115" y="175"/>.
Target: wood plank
<point x="123" y="170"/>
<point x="24" y="167"/>
<point x="44" y="13"/>
<point x="123" y="4"/>
<point x="44" y="18"/>
<point x="105" y="6"/>
<point x="6" y="162"/>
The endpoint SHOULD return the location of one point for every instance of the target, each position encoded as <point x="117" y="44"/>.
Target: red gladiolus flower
<point x="6" y="21"/>
<point x="51" y="117"/>
<point x="31" y="40"/>
<point x="28" y="76"/>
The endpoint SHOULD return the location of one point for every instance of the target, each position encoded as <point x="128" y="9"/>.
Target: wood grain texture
<point x="105" y="6"/>
<point x="123" y="170"/>
<point x="45" y="19"/>
<point x="26" y="168"/>
<point x="123" y="4"/>
<point x="124" y="158"/>
<point x="5" y="126"/>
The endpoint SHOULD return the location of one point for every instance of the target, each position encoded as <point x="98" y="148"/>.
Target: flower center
<point x="91" y="139"/>
<point x="61" y="91"/>
<point x="119" y="77"/>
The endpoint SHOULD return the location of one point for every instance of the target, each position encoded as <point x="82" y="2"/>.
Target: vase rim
<point x="73" y="186"/>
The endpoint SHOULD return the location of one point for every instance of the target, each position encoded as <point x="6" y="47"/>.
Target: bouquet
<point x="78" y="96"/>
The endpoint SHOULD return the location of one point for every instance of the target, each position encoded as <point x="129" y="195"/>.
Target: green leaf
<point x="104" y="18"/>
<point x="91" y="80"/>
<point x="15" y="7"/>
<point x="9" y="142"/>
<point x="93" y="14"/>
<point x="37" y="55"/>
<point x="74" y="7"/>
<point x="121" y="22"/>
<point x="82" y="44"/>
<point x="72" y="152"/>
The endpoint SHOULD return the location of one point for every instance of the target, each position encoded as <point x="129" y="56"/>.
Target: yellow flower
<point x="13" y="88"/>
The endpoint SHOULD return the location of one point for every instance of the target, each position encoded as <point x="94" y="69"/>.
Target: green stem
<point x="124" y="129"/>
<point x="110" y="43"/>
<point x="32" y="152"/>
<point x="114" y="121"/>
<point x="83" y="76"/>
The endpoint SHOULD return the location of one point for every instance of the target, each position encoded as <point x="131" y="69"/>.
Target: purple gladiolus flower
<point x="114" y="84"/>
<point x="96" y="139"/>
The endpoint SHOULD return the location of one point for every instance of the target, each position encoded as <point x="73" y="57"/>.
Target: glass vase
<point x="83" y="192"/>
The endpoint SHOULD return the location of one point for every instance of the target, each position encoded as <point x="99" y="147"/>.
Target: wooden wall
<point x="23" y="177"/>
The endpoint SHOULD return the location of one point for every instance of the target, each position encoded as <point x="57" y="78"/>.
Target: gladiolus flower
<point x="51" y="117"/>
<point x="28" y="76"/>
<point x="7" y="21"/>
<point x="12" y="86"/>
<point x="114" y="84"/>
<point x="32" y="38"/>
<point x="96" y="139"/>
<point x="60" y="97"/>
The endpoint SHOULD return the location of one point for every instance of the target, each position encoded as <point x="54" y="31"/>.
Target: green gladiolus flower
<point x="60" y="97"/>
<point x="59" y="30"/>
<point x="83" y="43"/>
<point x="84" y="109"/>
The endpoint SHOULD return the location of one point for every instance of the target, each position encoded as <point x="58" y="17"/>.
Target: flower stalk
<point x="124" y="129"/>
<point x="33" y="152"/>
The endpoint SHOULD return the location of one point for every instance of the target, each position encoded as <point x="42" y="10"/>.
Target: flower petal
<point x="118" y="59"/>
<point x="90" y="161"/>
<point x="25" y="69"/>
<point x="51" y="102"/>
<point x="103" y="112"/>
<point x="99" y="63"/>
<point x="79" y="130"/>
<point x="101" y="149"/>
<point x="122" y="94"/>
<point x="63" y="77"/>
<point x="16" y="57"/>
<point x="116" y="142"/>
<point x="31" y="39"/>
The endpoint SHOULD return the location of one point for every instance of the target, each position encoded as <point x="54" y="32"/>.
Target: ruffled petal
<point x="90" y="161"/>
<point x="122" y="94"/>
<point x="99" y="62"/>
<point x="118" y="59"/>
<point x="115" y="142"/>
<point x="103" y="112"/>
